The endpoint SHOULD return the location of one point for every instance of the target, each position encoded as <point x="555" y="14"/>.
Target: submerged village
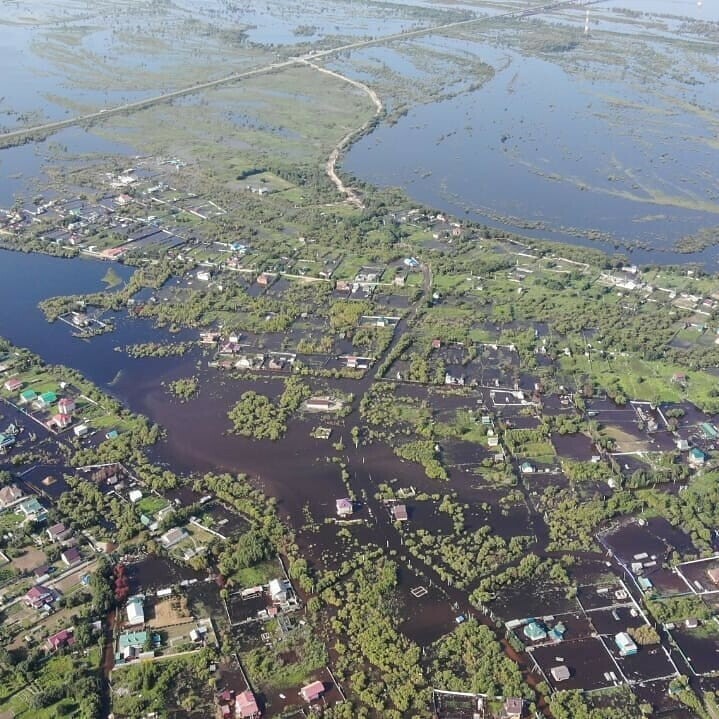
<point x="491" y="484"/>
<point x="277" y="442"/>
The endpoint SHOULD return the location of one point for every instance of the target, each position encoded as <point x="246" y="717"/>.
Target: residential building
<point x="32" y="509"/>
<point x="312" y="692"/>
<point x="13" y="384"/>
<point x="198" y="634"/>
<point x="625" y="644"/>
<point x="27" y="396"/>
<point x="344" y="507"/>
<point x="81" y="430"/>
<point x="173" y="536"/>
<point x="399" y="513"/>
<point x="46" y="399"/>
<point x="246" y="706"/>
<point x="58" y="532"/>
<point x="6" y="441"/>
<point x="135" y="611"/>
<point x="10" y="495"/>
<point x="535" y="631"/>
<point x="38" y="596"/>
<point x="60" y="421"/>
<point x="63" y="638"/>
<point x="513" y="708"/>
<point x="279" y="590"/>
<point x="697" y="458"/>
<point x="71" y="556"/>
<point x="66" y="405"/>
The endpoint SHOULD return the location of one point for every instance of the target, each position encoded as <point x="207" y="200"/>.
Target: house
<point x="66" y="405"/>
<point x="691" y="623"/>
<point x="535" y="631"/>
<point x="526" y="468"/>
<point x="134" y="645"/>
<point x="123" y="199"/>
<point x="41" y="572"/>
<point x="312" y="692"/>
<point x="81" y="430"/>
<point x="264" y="279"/>
<point x="134" y="495"/>
<point x="246" y="706"/>
<point x="682" y="445"/>
<point x="10" y="495"/>
<point x="696" y="457"/>
<point x="135" y="611"/>
<point x="344" y="507"/>
<point x="560" y="673"/>
<point x="399" y="513"/>
<point x="46" y="399"/>
<point x="32" y="509"/>
<point x="173" y="536"/>
<point x="513" y="708"/>
<point x="625" y="644"/>
<point x="58" y="532"/>
<point x="204" y="275"/>
<point x="71" y="556"/>
<point x="27" y="396"/>
<point x="6" y="441"/>
<point x="64" y="638"/>
<point x="61" y="421"/>
<point x="38" y="596"/>
<point x="436" y="344"/>
<point x="13" y="384"/>
<point x="198" y="634"/>
<point x="279" y="590"/>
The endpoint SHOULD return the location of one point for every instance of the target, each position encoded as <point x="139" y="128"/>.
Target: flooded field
<point x="153" y="573"/>
<point x="595" y="160"/>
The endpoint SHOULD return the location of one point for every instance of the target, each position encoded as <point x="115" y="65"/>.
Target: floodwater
<point x="538" y="144"/>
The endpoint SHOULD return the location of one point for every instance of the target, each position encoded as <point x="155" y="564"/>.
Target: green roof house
<point x="46" y="399"/>
<point x="696" y="457"/>
<point x="28" y="395"/>
<point x="535" y="631"/>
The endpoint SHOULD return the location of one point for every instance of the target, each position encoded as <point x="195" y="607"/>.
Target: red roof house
<point x="39" y="595"/>
<point x="246" y="705"/>
<point x="13" y="384"/>
<point x="64" y="638"/>
<point x="313" y="691"/>
<point x="60" y="420"/>
<point x="66" y="405"/>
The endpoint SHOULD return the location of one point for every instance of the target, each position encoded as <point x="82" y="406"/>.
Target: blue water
<point x="539" y="144"/>
<point x="26" y="279"/>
